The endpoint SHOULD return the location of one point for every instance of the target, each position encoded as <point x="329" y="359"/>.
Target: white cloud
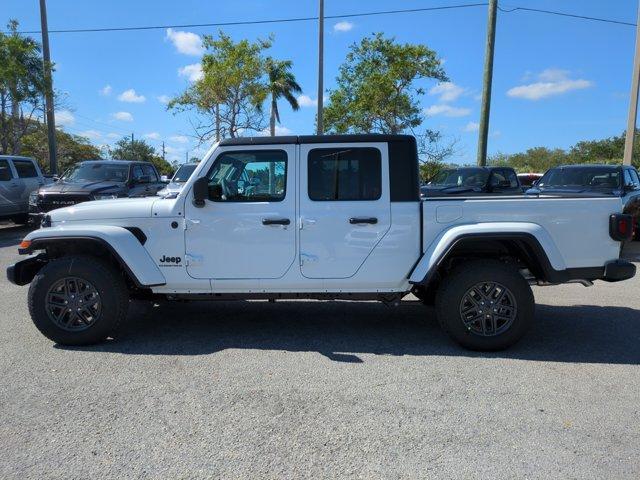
<point x="185" y="42"/>
<point x="164" y="99"/>
<point x="114" y="135"/>
<point x="65" y="118"/>
<point x="550" y="82"/>
<point x="193" y="72"/>
<point x="448" y="91"/>
<point x="123" y="116"/>
<point x="152" y="136"/>
<point x="179" y="139"/>
<point x="91" y="134"/>
<point x="471" y="127"/>
<point x="280" y="130"/>
<point x="343" y="26"/>
<point x="130" y="96"/>
<point x="106" y="90"/>
<point x="447" y="111"/>
<point x="307" y="101"/>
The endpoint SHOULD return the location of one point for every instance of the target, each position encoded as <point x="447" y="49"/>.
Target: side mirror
<point x="215" y="192"/>
<point x="630" y="187"/>
<point x="200" y="191"/>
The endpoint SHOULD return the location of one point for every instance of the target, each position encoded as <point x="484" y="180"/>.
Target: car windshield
<point x="183" y="173"/>
<point x="585" y="178"/>
<point x="97" y="172"/>
<point x="461" y="177"/>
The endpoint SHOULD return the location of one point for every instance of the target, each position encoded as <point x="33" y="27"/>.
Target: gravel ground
<point x="323" y="390"/>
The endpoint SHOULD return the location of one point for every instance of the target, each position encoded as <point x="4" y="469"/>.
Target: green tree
<point x="71" y="148"/>
<point x="22" y="86"/>
<point x="282" y="83"/>
<point x="377" y="87"/>
<point x="232" y="90"/>
<point x="126" y="149"/>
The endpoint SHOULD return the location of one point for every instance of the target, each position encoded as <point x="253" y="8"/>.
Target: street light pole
<point x="320" y="120"/>
<point x="633" y="102"/>
<point x="48" y="96"/>
<point x="483" y="134"/>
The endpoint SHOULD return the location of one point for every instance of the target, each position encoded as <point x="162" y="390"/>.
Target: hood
<point x="103" y="209"/>
<point x="81" y="187"/>
<point x="172" y="187"/>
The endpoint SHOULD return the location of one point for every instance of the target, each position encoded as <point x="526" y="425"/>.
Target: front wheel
<point x="78" y="300"/>
<point x="485" y="305"/>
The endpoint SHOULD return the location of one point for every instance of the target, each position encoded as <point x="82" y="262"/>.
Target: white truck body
<point x="381" y="247"/>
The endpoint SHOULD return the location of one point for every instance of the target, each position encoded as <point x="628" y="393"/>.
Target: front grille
<point x="51" y="202"/>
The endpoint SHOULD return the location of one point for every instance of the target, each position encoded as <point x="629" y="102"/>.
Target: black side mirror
<point x="200" y="191"/>
<point x="630" y="187"/>
<point x="215" y="192"/>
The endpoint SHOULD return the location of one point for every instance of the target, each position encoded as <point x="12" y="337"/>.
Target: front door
<point x="247" y="229"/>
<point x="345" y="207"/>
<point x="29" y="178"/>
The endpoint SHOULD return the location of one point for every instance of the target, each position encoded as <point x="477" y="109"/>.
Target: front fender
<point x="443" y="243"/>
<point x="122" y="244"/>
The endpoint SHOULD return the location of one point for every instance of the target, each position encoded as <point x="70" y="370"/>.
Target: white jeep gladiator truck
<point x="322" y="217"/>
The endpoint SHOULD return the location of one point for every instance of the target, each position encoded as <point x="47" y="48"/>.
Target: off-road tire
<point x="450" y="298"/>
<point x="109" y="284"/>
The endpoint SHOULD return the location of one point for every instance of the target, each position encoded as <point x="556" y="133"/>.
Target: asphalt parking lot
<point x="323" y="390"/>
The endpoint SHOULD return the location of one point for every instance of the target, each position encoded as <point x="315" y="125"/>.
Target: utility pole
<point x="487" y="80"/>
<point x="132" y="139"/>
<point x="48" y="96"/>
<point x="163" y="158"/>
<point x="320" y="120"/>
<point x="629" y="139"/>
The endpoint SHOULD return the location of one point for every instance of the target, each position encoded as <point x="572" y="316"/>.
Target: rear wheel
<point x="78" y="300"/>
<point x="485" y="305"/>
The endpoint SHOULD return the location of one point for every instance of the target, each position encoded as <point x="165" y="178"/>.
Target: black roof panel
<point x="295" y="139"/>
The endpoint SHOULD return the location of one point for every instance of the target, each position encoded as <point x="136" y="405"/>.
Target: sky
<point x="557" y="80"/>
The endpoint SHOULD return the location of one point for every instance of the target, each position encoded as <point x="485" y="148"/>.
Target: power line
<point x="564" y="14"/>
<point x="346" y="15"/>
<point x="259" y="22"/>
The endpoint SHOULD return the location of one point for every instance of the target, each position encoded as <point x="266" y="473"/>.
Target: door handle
<point x="276" y="221"/>
<point x="359" y="220"/>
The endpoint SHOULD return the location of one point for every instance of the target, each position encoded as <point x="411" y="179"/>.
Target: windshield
<point x="586" y="178"/>
<point x="461" y="177"/>
<point x="183" y="173"/>
<point x="97" y="172"/>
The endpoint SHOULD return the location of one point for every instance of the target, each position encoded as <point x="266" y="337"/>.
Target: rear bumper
<point x="618" y="270"/>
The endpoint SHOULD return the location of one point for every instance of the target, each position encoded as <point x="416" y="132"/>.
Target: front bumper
<point x="22" y="272"/>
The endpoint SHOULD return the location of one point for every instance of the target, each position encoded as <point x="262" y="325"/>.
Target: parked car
<point x="528" y="179"/>
<point x="473" y="181"/>
<point x="96" y="180"/>
<point x="178" y="180"/>
<point x="325" y="217"/>
<point x="19" y="177"/>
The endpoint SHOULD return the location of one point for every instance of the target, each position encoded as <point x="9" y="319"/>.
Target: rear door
<point x="345" y="207"/>
<point x="9" y="189"/>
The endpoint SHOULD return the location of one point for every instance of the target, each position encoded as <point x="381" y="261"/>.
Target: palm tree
<point x="282" y="83"/>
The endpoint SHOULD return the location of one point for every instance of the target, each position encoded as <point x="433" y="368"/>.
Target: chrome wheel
<point x="73" y="304"/>
<point x="488" y="309"/>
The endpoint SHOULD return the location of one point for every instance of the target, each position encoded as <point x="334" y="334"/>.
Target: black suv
<point x="473" y="181"/>
<point x="97" y="180"/>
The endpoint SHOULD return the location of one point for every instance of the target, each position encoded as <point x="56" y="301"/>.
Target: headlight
<point x="105" y="196"/>
<point x="33" y="199"/>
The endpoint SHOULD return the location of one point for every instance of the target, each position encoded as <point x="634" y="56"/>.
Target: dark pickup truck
<point x="473" y="181"/>
<point x="97" y="180"/>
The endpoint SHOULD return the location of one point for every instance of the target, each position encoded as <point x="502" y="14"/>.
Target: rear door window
<point x="344" y="174"/>
<point x="25" y="168"/>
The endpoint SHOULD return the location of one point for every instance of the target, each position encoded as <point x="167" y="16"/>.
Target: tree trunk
<point x="15" y="120"/>
<point x="272" y="120"/>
